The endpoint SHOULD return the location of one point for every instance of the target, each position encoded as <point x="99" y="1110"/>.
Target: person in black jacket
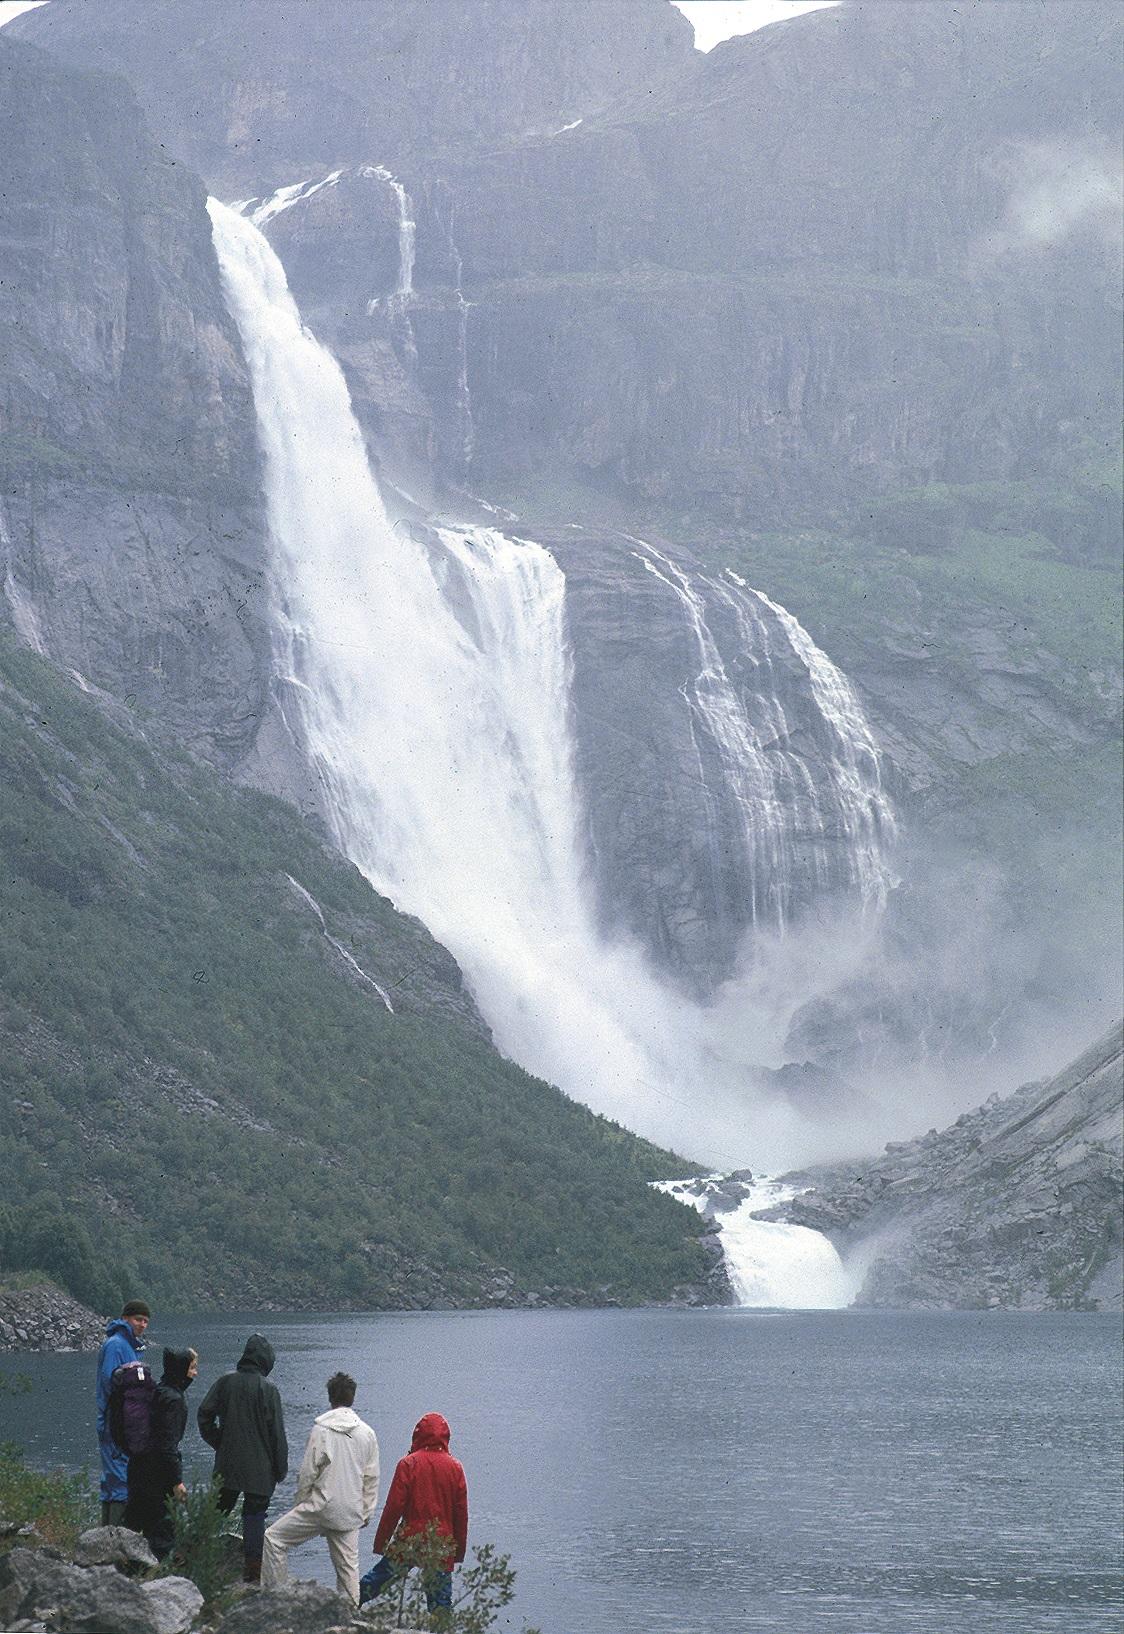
<point x="241" y="1418"/>
<point x="157" y="1474"/>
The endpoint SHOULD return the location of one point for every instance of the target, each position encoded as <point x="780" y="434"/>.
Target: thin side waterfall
<point x="430" y="684"/>
<point x="403" y="292"/>
<point x="464" y="395"/>
<point x="808" y="828"/>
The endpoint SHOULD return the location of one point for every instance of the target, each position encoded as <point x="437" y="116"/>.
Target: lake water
<point x="717" y="1472"/>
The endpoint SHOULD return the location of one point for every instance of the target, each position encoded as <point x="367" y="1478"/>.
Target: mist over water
<point x="430" y="684"/>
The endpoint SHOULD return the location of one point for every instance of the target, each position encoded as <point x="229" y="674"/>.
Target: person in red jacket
<point x="428" y="1485"/>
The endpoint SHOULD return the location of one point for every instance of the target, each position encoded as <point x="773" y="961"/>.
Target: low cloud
<point x="1062" y="190"/>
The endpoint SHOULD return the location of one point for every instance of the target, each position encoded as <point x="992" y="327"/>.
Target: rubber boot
<point x="251" y="1571"/>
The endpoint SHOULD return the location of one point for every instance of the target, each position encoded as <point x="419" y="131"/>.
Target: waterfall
<point x="430" y="684"/>
<point x="348" y="958"/>
<point x="403" y="293"/>
<point x="464" y="395"/>
<point x="769" y="1262"/>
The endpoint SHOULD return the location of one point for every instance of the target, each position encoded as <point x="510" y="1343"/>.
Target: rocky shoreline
<point x="106" y="1584"/>
<point x="41" y="1317"/>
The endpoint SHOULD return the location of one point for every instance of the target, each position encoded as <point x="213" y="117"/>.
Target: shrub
<point x="60" y="1506"/>
<point x="202" y="1548"/>
<point x="480" y="1591"/>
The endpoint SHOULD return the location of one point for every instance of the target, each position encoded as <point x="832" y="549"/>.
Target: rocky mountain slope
<point x="1017" y="1205"/>
<point x="234" y="1076"/>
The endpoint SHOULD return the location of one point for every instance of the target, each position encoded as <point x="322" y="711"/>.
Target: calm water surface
<point x="717" y="1472"/>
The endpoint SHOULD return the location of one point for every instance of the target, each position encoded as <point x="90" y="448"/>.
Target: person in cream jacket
<point x="337" y="1492"/>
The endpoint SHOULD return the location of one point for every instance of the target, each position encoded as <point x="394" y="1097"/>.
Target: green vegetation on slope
<point x="197" y="1102"/>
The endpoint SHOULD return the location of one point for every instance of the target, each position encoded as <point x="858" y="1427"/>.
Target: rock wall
<point x="1018" y="1204"/>
<point x="262" y="93"/>
<point x="132" y="545"/>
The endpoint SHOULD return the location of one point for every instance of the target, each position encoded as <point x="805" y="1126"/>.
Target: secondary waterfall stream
<point x="429" y="682"/>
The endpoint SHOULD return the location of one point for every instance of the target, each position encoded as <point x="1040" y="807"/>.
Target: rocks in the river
<point x="1017" y="1204"/>
<point x="42" y="1317"/>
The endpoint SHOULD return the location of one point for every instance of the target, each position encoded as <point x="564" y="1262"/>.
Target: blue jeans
<point x="254" y="1506"/>
<point x="438" y="1585"/>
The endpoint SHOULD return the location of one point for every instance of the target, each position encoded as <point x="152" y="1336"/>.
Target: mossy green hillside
<point x="197" y="1101"/>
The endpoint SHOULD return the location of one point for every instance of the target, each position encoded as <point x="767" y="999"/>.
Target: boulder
<point x="38" y="1584"/>
<point x="301" y="1608"/>
<point x="114" y="1546"/>
<point x="174" y="1603"/>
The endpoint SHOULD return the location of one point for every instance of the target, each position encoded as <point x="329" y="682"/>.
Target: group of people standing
<point x="241" y="1418"/>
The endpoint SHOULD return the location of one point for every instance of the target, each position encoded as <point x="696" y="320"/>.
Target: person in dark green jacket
<point x="241" y="1417"/>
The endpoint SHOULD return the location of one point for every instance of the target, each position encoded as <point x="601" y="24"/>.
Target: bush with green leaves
<point x="206" y="1545"/>
<point x="59" y="1505"/>
<point x="480" y="1590"/>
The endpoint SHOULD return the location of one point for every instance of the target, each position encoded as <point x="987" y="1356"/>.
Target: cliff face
<point x="131" y="535"/>
<point x="1018" y="1204"/>
<point x="871" y="249"/>
<point x="276" y="87"/>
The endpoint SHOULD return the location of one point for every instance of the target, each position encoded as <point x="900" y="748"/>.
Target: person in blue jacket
<point x="123" y="1343"/>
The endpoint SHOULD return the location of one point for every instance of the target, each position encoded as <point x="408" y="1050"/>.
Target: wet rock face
<point x="683" y="858"/>
<point x="131" y="535"/>
<point x="1017" y="1204"/>
<point x="755" y="280"/>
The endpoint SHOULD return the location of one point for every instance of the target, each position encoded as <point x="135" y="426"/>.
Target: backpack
<point x="132" y="1392"/>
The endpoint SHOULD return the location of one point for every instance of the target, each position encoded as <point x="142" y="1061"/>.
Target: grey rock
<point x="174" y="1602"/>
<point x="43" y="1317"/>
<point x="302" y="1608"/>
<point x="132" y="543"/>
<point x="72" y="1599"/>
<point x="1019" y="1203"/>
<point x="114" y="1546"/>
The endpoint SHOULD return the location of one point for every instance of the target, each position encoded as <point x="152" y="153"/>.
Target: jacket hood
<point x="431" y="1434"/>
<point x="119" y="1325"/>
<point x="176" y="1364"/>
<point x="343" y="1419"/>
<point x="258" y="1355"/>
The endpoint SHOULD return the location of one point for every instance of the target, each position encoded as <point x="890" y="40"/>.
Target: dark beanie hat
<point x="135" y="1307"/>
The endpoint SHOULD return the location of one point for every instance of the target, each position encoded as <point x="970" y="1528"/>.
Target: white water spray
<point x="770" y="1263"/>
<point x="432" y="688"/>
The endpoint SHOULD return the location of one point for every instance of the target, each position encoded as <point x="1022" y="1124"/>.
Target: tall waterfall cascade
<point x="430" y="684"/>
